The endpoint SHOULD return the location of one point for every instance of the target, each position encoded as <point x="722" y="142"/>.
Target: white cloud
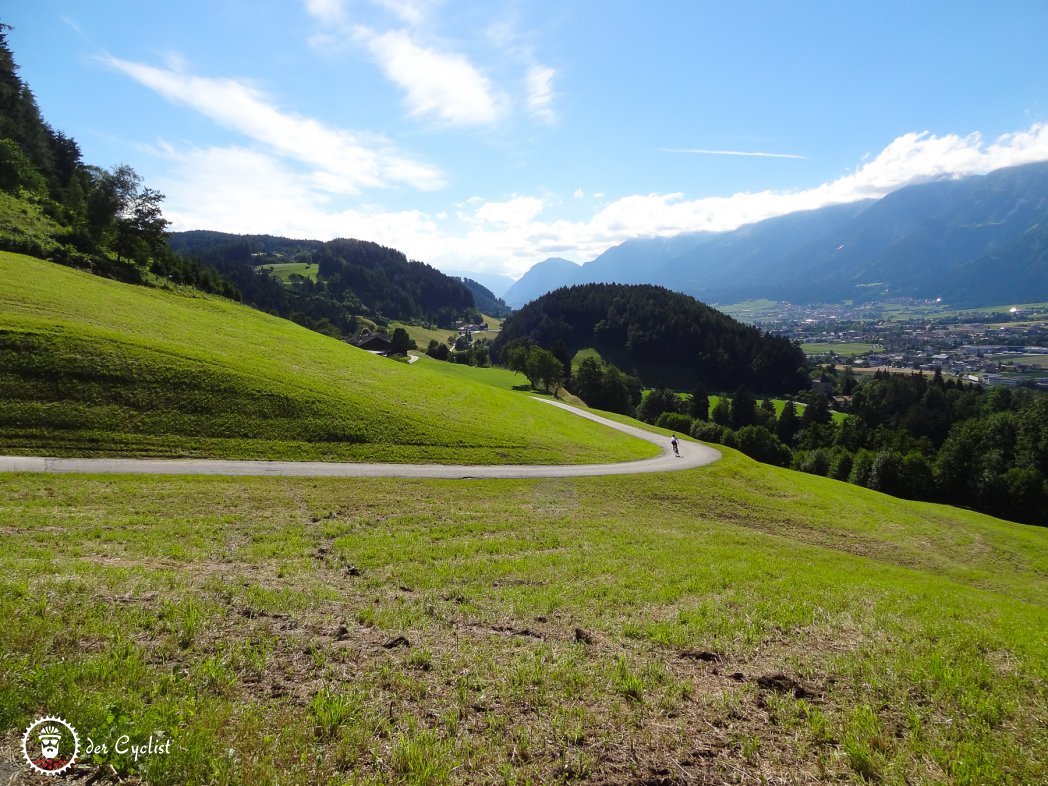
<point x="411" y="12"/>
<point x="514" y="212"/>
<point x="332" y="12"/>
<point x="909" y="159"/>
<point x="745" y="153"/>
<point x="247" y="191"/>
<point x="539" y="84"/>
<point x="240" y="190"/>
<point x="342" y="161"/>
<point x="440" y="84"/>
<point x="437" y="81"/>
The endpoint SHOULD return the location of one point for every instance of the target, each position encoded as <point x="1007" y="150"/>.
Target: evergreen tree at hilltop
<point x="640" y="326"/>
<point x="57" y="207"/>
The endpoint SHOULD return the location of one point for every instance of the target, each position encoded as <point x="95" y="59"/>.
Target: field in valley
<point x="844" y="349"/>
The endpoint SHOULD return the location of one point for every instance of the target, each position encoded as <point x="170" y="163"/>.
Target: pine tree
<point x="700" y="404"/>
<point x="743" y="408"/>
<point x="788" y="425"/>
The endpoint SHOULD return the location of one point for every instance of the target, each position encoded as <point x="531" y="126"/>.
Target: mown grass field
<point x="735" y="624"/>
<point x="844" y="349"/>
<point x="94" y="367"/>
<point x="284" y="270"/>
<point x="1041" y="361"/>
<point x="423" y="335"/>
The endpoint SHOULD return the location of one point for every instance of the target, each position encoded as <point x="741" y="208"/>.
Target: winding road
<point x="692" y="455"/>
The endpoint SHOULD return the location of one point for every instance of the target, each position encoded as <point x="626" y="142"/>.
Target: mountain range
<point x="975" y="241"/>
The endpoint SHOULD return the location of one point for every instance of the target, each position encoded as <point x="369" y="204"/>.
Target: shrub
<point x="656" y="402"/>
<point x="759" y="443"/>
<point x="674" y="421"/>
<point x="721" y="412"/>
<point x="884" y="472"/>
<point x="861" y="466"/>
<point x="814" y="462"/>
<point x="915" y="477"/>
<point x="603" y="386"/>
<point x="706" y="431"/>
<point x="840" y="465"/>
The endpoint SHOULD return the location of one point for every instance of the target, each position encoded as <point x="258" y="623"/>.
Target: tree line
<point x="914" y="436"/>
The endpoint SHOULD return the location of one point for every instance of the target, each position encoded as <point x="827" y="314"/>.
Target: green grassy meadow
<point x="750" y="309"/>
<point x="1041" y="361"/>
<point x="844" y="349"/>
<point x="423" y="335"/>
<point x="495" y="376"/>
<point x="94" y="367"/>
<point x="284" y="270"/>
<point x="895" y="310"/>
<point x="734" y="624"/>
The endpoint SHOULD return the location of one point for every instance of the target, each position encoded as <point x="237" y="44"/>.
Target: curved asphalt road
<point x="692" y="455"/>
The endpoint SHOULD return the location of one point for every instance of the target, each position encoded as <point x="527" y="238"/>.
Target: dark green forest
<point x="914" y="436"/>
<point x="651" y="332"/>
<point x="355" y="277"/>
<point x="388" y="283"/>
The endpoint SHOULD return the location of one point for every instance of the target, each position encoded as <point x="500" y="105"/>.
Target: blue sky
<point x="489" y="136"/>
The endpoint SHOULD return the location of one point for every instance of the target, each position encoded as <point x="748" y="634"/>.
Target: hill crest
<point x="658" y="335"/>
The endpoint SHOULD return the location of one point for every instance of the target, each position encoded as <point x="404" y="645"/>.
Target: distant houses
<point x="823" y="386"/>
<point x="376" y="343"/>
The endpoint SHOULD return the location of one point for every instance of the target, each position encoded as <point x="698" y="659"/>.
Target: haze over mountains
<point x="975" y="241"/>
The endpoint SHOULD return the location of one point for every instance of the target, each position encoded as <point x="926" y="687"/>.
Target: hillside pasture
<point x="284" y="270"/>
<point x="90" y="366"/>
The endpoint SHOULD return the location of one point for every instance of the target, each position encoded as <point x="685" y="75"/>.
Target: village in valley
<point x="1005" y="346"/>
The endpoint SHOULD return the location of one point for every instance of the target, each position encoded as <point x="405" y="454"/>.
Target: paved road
<point x="692" y="455"/>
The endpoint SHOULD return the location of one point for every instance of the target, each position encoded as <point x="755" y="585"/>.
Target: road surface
<point x="692" y="455"/>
